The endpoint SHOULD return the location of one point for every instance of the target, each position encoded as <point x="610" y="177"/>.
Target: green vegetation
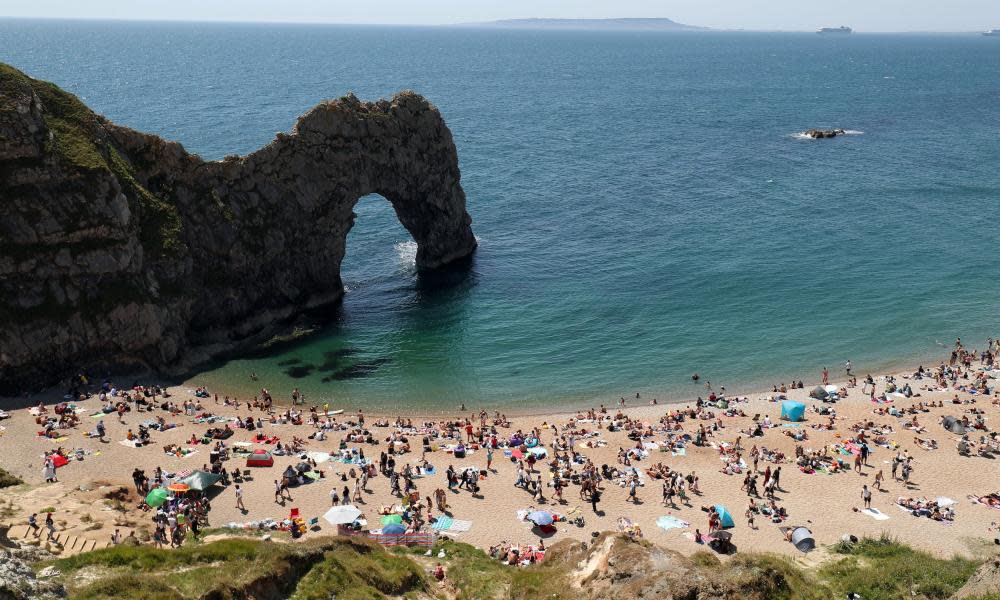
<point x="357" y="569"/>
<point x="72" y="124"/>
<point x="241" y="567"/>
<point x="78" y="142"/>
<point x="8" y="480"/>
<point x="360" y="571"/>
<point x="773" y="577"/>
<point x="883" y="569"/>
<point x="476" y="576"/>
<point x="161" y="223"/>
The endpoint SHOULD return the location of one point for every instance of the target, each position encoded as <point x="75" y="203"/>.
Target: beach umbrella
<point x="541" y="517"/>
<point x="179" y="488"/>
<point x="156" y="497"/>
<point x="517" y="454"/>
<point x="392" y="520"/>
<point x="724" y="536"/>
<point x="394" y="529"/>
<point x="830" y="389"/>
<point x="342" y="515"/>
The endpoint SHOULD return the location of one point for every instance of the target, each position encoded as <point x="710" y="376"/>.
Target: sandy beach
<point x="824" y="502"/>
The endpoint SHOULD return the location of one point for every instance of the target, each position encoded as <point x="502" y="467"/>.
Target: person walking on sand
<point x="750" y="516"/>
<point x="595" y="497"/>
<point x="633" y="489"/>
<point x="489" y="457"/>
<point x="33" y="524"/>
<point x="866" y="495"/>
<point x="239" y="499"/>
<point x="878" y="480"/>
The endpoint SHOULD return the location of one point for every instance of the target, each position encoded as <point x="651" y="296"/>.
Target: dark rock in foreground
<point x="117" y="247"/>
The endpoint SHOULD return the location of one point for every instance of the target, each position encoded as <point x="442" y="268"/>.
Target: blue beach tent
<point x="792" y="411"/>
<point x="725" y="519"/>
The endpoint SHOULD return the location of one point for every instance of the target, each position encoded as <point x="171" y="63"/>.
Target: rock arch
<point x="120" y="247"/>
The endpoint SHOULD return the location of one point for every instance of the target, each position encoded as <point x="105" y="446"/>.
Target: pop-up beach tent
<point x="792" y="411"/>
<point x="725" y="519"/>
<point x="260" y="458"/>
<point x="818" y="393"/>
<point x="200" y="480"/>
<point x="953" y="425"/>
<point x="802" y="539"/>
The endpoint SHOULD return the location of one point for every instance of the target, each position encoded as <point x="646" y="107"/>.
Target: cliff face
<point x="117" y="247"/>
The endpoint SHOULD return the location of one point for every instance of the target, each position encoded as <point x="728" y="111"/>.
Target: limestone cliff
<point x="117" y="247"/>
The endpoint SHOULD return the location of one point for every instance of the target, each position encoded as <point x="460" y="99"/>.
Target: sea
<point x="645" y="203"/>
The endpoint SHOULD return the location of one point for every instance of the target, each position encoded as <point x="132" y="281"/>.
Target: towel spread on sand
<point x="876" y="514"/>
<point x="668" y="522"/>
<point x="460" y="526"/>
<point x="442" y="523"/>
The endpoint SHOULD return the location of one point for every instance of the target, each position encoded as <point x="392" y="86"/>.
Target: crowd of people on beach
<point x="426" y="462"/>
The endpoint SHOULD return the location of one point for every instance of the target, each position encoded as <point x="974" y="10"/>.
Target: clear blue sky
<point x="871" y="15"/>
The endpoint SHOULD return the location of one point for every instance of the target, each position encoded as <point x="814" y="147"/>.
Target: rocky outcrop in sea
<point x="120" y="248"/>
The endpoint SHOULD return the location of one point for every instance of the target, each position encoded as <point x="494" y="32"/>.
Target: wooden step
<point x="18" y="532"/>
<point x="89" y="545"/>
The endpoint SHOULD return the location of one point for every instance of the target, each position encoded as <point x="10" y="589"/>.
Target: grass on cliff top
<point x="883" y="569"/>
<point x="352" y="569"/>
<point x="360" y="571"/>
<point x="240" y="567"/>
<point x="476" y="576"/>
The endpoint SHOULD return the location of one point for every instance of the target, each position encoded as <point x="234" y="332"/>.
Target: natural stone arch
<point x="149" y="254"/>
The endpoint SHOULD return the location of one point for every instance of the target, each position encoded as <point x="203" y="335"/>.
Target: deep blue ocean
<point x="644" y="206"/>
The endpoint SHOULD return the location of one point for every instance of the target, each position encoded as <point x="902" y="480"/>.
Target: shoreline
<point x="828" y="502"/>
<point x="188" y="385"/>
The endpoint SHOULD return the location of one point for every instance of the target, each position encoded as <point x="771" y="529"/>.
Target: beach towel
<point x="668" y="522"/>
<point x="876" y="514"/>
<point x="319" y="457"/>
<point x="678" y="452"/>
<point x="442" y="523"/>
<point x="130" y="443"/>
<point x="458" y="526"/>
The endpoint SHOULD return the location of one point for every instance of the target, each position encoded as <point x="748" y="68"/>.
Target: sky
<point x="862" y="15"/>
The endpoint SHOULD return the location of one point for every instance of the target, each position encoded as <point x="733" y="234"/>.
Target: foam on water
<point x="406" y="254"/>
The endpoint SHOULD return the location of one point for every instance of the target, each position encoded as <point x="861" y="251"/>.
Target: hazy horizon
<point x="758" y="15"/>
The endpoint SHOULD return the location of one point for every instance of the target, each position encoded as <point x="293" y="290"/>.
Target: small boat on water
<point x="992" y="33"/>
<point x="841" y="29"/>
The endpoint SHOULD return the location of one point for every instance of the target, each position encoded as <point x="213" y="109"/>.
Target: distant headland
<point x="623" y="24"/>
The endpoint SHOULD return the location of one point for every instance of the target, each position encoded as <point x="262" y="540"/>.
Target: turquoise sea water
<point x="643" y="205"/>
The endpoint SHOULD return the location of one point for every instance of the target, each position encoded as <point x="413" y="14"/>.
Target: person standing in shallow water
<point x="826" y="376"/>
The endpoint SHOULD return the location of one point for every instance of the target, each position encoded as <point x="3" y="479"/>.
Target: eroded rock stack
<point x="117" y="247"/>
